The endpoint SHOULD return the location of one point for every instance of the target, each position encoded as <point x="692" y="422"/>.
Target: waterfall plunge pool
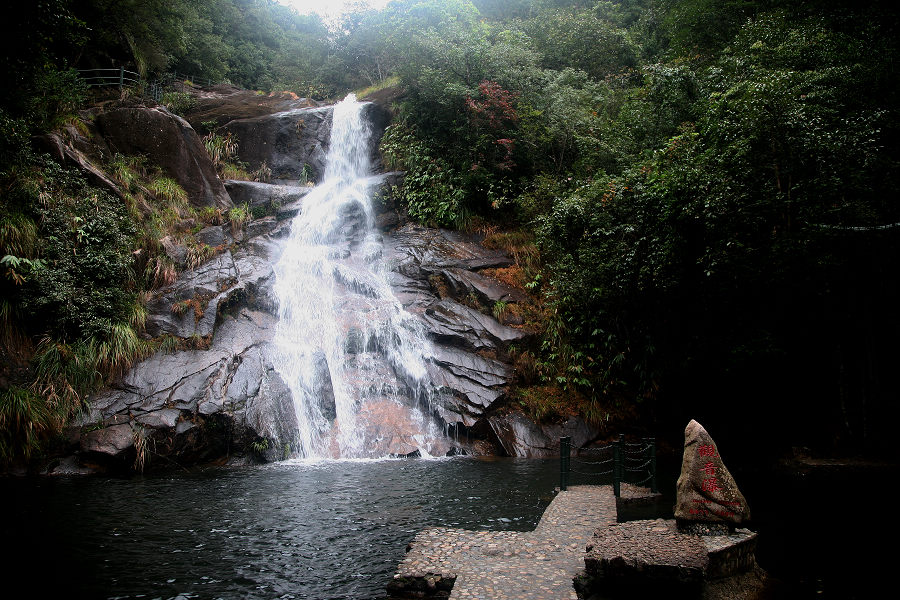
<point x="316" y="530"/>
<point x="337" y="529"/>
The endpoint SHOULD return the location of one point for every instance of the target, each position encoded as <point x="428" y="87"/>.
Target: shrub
<point x="432" y="191"/>
<point x="179" y="102"/>
<point x="56" y="95"/>
<point x="127" y="170"/>
<point x="14" y="139"/>
<point x="87" y="255"/>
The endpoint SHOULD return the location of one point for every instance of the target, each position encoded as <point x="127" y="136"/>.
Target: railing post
<point x="565" y="450"/>
<point x="618" y="464"/>
<point x="651" y="450"/>
<point x="121" y="77"/>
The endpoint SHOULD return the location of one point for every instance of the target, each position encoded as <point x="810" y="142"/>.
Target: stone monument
<point x="708" y="500"/>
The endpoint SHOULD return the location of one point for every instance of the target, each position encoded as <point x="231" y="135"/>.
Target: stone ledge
<point x="656" y="551"/>
<point x="730" y="554"/>
<point x="635" y="495"/>
<point x="646" y="550"/>
<point x="507" y="565"/>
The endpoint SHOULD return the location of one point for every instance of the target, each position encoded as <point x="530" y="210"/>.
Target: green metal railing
<point x="166" y="81"/>
<point x="626" y="462"/>
<point x="122" y="77"/>
<point x="108" y="77"/>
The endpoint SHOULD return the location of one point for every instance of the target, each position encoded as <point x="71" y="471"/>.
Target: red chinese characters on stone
<point x="707" y="450"/>
<point x="710" y="485"/>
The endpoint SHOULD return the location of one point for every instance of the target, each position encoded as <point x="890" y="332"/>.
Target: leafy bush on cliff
<point x="70" y="285"/>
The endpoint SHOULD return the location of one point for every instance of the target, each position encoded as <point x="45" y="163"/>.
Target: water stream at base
<point x="354" y="360"/>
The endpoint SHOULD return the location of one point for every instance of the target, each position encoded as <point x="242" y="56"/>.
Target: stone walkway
<point x="501" y="565"/>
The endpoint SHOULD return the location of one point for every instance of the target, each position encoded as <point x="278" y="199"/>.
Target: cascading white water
<point x="354" y="360"/>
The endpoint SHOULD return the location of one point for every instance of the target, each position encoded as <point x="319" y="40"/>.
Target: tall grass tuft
<point x="127" y="170"/>
<point x="518" y="243"/>
<point x="25" y="419"/>
<point x="160" y="272"/>
<point x="221" y="148"/>
<point x="121" y="348"/>
<point x="141" y="438"/>
<point x="211" y="215"/>
<point x="263" y="173"/>
<point x="238" y="215"/>
<point x="235" y="171"/>
<point x="199" y="254"/>
<point x="168" y="189"/>
<point x="65" y="373"/>
<point x="18" y="234"/>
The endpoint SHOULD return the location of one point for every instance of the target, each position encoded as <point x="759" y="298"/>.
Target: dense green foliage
<point x="711" y="185"/>
<point x="254" y="43"/>
<point x="69" y="285"/>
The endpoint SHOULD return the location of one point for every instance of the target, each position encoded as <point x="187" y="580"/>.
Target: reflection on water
<point x="288" y="530"/>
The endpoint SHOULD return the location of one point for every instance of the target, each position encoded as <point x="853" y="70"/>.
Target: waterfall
<point x="354" y="360"/>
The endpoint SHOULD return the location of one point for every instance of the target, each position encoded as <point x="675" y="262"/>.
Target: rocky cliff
<point x="212" y="391"/>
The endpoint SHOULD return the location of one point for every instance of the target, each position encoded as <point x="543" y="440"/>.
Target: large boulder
<point x="170" y="142"/>
<point x="267" y="198"/>
<point x="292" y="143"/>
<point x="113" y="440"/>
<point x="707" y="495"/>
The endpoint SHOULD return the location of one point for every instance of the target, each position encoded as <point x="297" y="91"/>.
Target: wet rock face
<point x="217" y="392"/>
<point x="707" y="494"/>
<point x="520" y="436"/>
<point x="288" y="142"/>
<point x="294" y="143"/>
<point x="191" y="306"/>
<point x="170" y="142"/>
<point x="470" y="362"/>
<point x="196" y="403"/>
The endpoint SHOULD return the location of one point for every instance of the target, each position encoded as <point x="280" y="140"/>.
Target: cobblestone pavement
<point x="501" y="565"/>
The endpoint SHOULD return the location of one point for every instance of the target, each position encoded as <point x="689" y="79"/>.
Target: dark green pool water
<point x="336" y="530"/>
<point x="288" y="530"/>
